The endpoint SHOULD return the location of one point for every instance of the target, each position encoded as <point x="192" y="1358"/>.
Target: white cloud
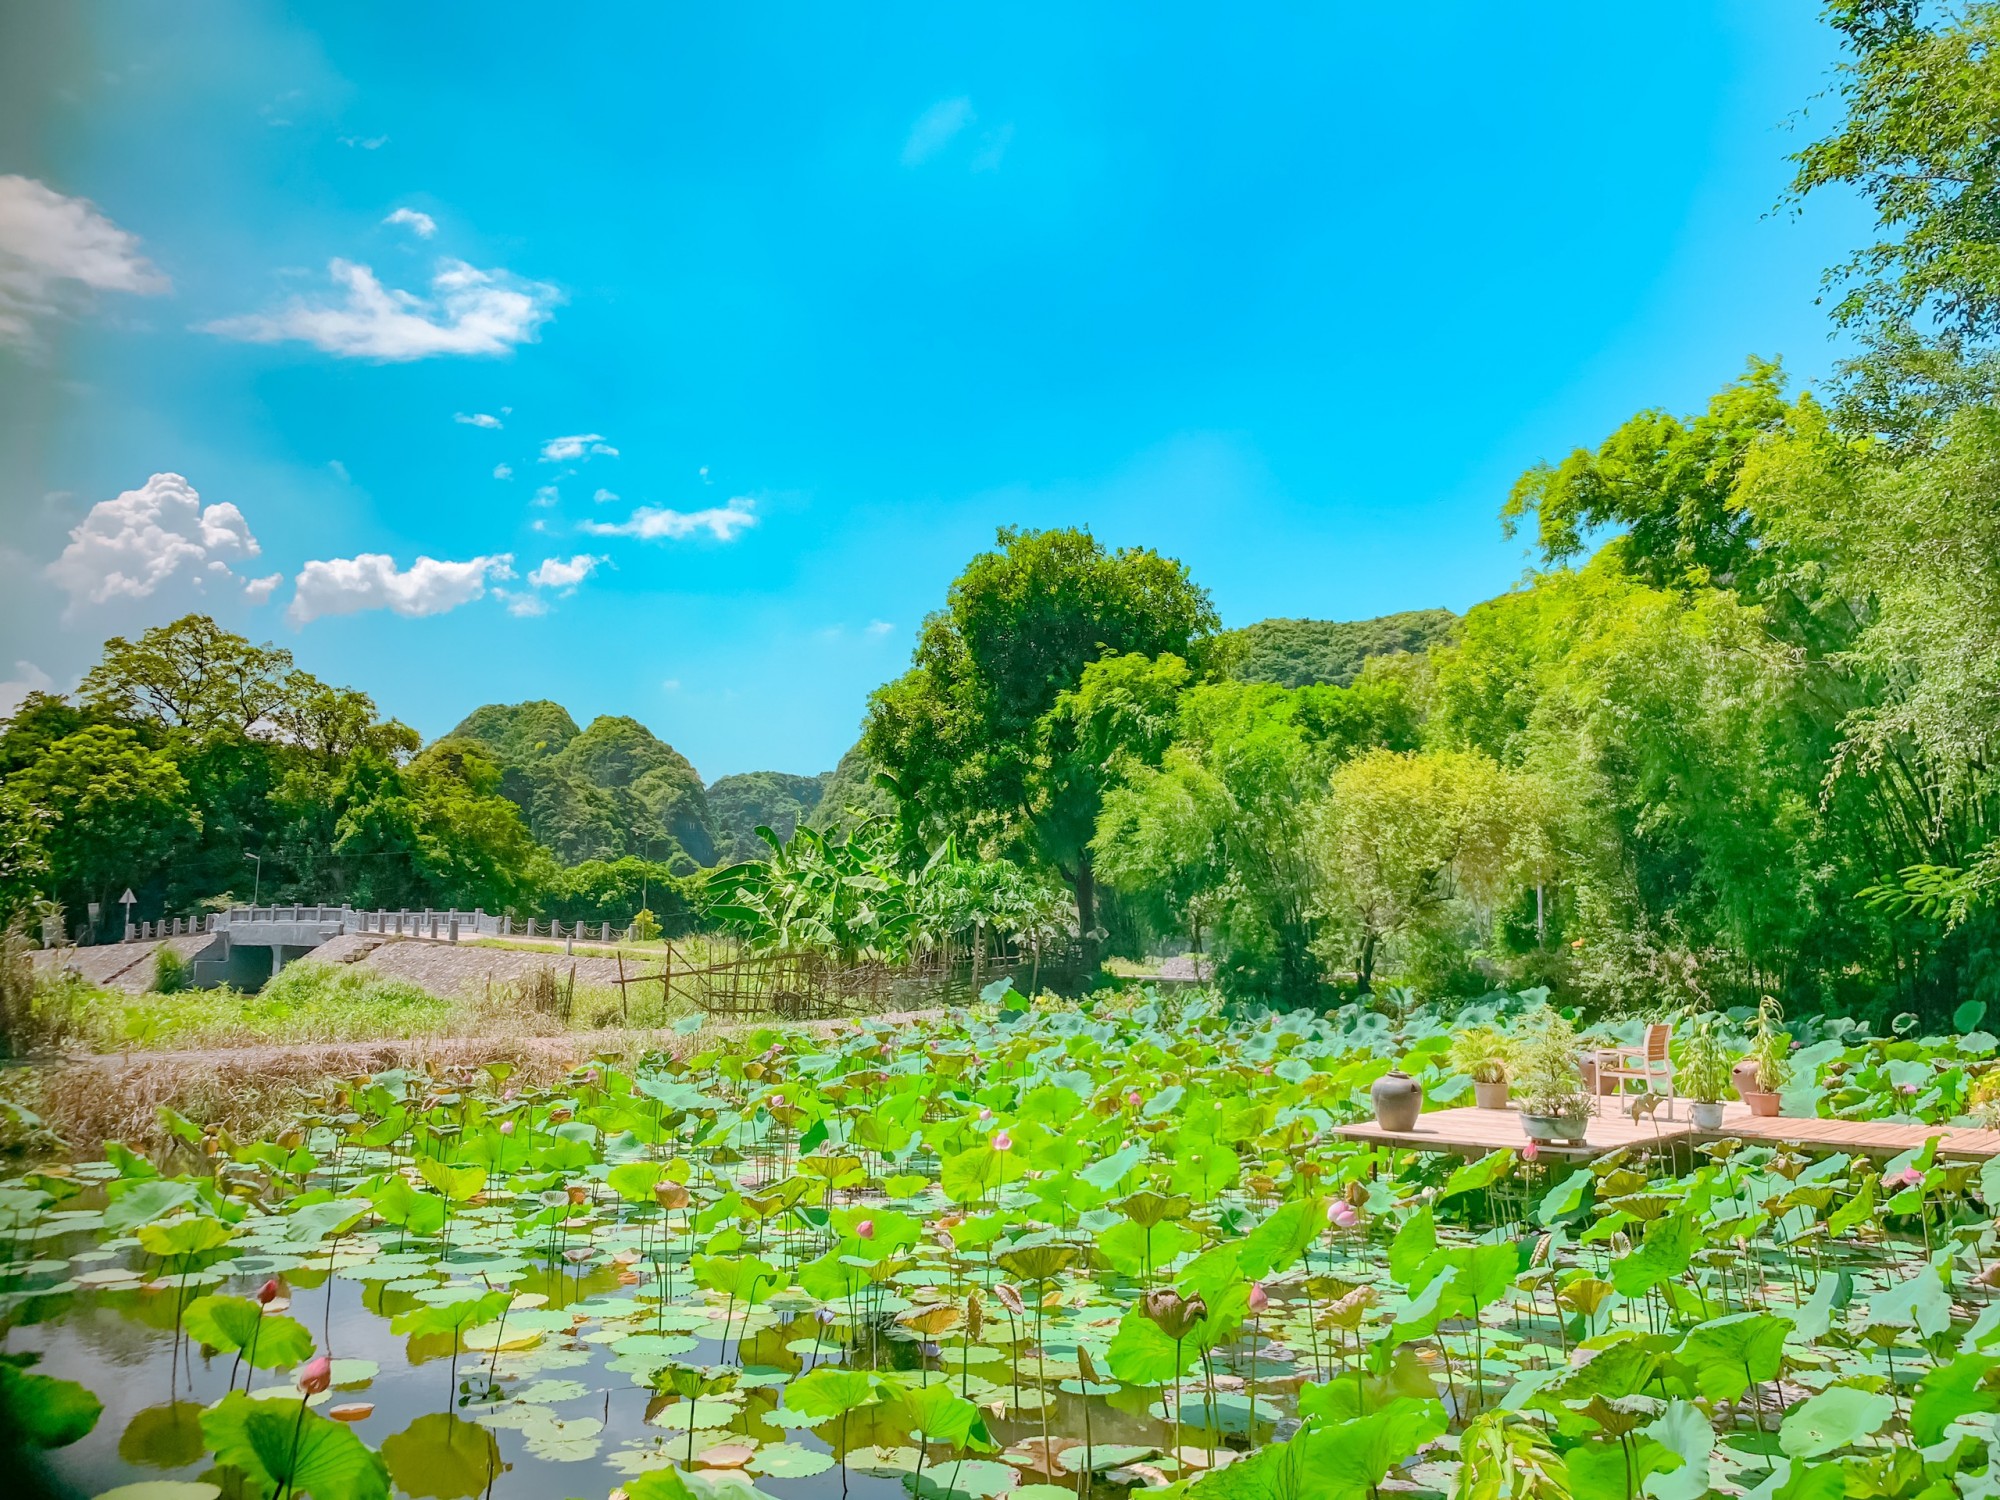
<point x="503" y="471"/>
<point x="52" y="246"/>
<point x="671" y="684"/>
<point x="992" y="147"/>
<point x="650" y="523"/>
<point x="479" y="419"/>
<point x="547" y="495"/>
<point x="470" y="311"/>
<point x="422" y="225"/>
<point x="28" y="678"/>
<point x="349" y="585"/>
<point x="555" y="573"/>
<point x="935" y="129"/>
<point x="526" y="606"/>
<point x="562" y="450"/>
<point x="365" y="142"/>
<point x="129" y="547"/>
<point x="879" y="627"/>
<point x="258" y="590"/>
<point x="604" y="497"/>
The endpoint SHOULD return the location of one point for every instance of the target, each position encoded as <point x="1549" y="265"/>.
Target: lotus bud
<point x="1002" y="1141"/>
<point x="506" y="1127"/>
<point x="1259" y="1298"/>
<point x="1531" y="1152"/>
<point x="1342" y="1214"/>
<point x="1135" y="1098"/>
<point x="1175" y="1315"/>
<point x="865" y="1230"/>
<point x="985" y="1116"/>
<point x="270" y="1292"/>
<point x="824" y="1316"/>
<point x="315" y="1375"/>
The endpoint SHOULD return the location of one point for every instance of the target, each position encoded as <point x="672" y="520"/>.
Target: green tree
<point x="192" y="675"/>
<point x="1917" y="142"/>
<point x="966" y="733"/>
<point x="103" y="810"/>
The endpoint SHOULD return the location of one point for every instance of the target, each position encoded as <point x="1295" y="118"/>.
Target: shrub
<point x="171" y="972"/>
<point x="1549" y="1081"/>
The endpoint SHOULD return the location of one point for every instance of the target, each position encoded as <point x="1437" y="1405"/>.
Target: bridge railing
<point x="440" y="926"/>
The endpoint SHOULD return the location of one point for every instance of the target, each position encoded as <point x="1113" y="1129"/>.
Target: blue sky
<point x="769" y="316"/>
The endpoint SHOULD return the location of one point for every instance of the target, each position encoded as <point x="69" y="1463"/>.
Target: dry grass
<point x="250" y="1090"/>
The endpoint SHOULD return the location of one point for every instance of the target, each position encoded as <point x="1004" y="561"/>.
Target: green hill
<point x="611" y="789"/>
<point x="738" y="804"/>
<point x="1295" y="653"/>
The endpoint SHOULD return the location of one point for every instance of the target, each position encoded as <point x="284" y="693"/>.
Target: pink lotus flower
<point x="1531" y="1152"/>
<point x="270" y="1292"/>
<point x="1906" y="1088"/>
<point x="1908" y="1177"/>
<point x="1342" y="1215"/>
<point x="506" y="1127"/>
<point x="865" y="1230"/>
<point x="1002" y="1141"/>
<point x="985" y="1116"/>
<point x="1134" y="1098"/>
<point x="315" y="1375"/>
<point x="777" y="1101"/>
<point x="1259" y="1298"/>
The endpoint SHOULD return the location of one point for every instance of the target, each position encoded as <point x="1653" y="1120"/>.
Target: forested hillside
<point x="1298" y="653"/>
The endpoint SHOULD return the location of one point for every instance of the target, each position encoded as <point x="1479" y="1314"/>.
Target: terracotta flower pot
<point x="1744" y="1077"/>
<point x="1763" y="1105"/>
<point x="1491" y="1095"/>
<point x="1398" y="1099"/>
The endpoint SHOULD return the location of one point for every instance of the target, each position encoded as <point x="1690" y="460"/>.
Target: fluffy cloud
<point x="131" y="546"/>
<point x="52" y="247"/>
<point x="349" y="585"/>
<point x="469" y="311"/>
<point x="605" y="497"/>
<point x="935" y="129"/>
<point x="503" y="471"/>
<point x="564" y="450"/>
<point x="479" y="419"/>
<point x="651" y="523"/>
<point x="422" y="225"/>
<point x="556" y="573"/>
<point x="879" y="627"/>
<point x="28" y="678"/>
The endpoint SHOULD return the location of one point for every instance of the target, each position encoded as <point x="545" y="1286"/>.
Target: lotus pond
<point x="1049" y="1251"/>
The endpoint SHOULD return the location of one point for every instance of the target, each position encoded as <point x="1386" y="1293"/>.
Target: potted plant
<point x="1704" y="1073"/>
<point x="1486" y="1055"/>
<point x="1770" y="1049"/>
<point x="1554" y="1106"/>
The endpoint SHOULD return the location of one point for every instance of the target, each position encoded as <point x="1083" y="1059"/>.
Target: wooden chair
<point x="1648" y="1064"/>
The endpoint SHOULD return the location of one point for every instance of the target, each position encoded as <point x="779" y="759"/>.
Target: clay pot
<point x="1398" y="1099"/>
<point x="1744" y="1077"/>
<point x="1763" y="1105"/>
<point x="1490" y="1095"/>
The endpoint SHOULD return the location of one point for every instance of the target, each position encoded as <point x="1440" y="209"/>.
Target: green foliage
<point x="279" y="1447"/>
<point x="1300" y="653"/>
<point x="1548" y="1080"/>
<point x="1915" y="140"/>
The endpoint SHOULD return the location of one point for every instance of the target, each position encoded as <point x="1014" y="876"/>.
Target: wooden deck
<point x="1869" y="1137"/>
<point x="1475" y="1132"/>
